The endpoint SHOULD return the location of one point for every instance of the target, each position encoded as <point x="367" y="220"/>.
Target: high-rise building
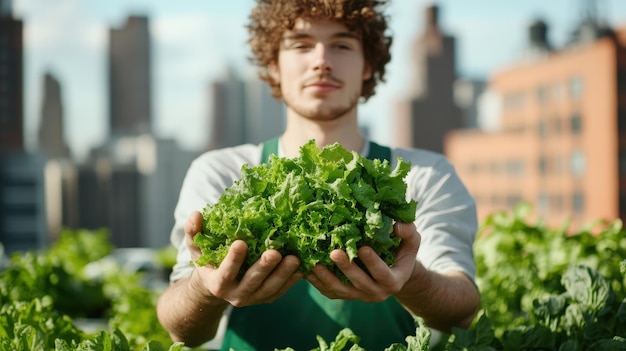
<point x="227" y="97"/>
<point x="23" y="224"/>
<point x="424" y="117"/>
<point x="560" y="139"/>
<point x="22" y="194"/>
<point x="265" y="116"/>
<point x="51" y="137"/>
<point x="61" y="193"/>
<point x="11" y="81"/>
<point x="130" y="186"/>
<point x="130" y="79"/>
<point x="6" y="7"/>
<point x="243" y="111"/>
<point x="467" y="94"/>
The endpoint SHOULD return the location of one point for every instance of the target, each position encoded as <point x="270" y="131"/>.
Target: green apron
<point x="296" y="318"/>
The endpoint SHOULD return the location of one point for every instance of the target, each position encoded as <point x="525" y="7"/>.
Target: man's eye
<point x="300" y="46"/>
<point x="343" y="46"/>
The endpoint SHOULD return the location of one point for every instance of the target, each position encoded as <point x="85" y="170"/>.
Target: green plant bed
<point x="542" y="288"/>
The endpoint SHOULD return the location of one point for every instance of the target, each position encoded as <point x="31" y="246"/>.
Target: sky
<point x="195" y="41"/>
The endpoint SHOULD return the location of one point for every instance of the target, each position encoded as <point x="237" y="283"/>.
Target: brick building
<point x="560" y="137"/>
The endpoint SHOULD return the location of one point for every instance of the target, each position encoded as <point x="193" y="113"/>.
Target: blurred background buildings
<point x="559" y="141"/>
<point x="548" y="128"/>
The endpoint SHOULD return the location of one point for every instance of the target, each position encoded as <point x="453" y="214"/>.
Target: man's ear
<point x="274" y="73"/>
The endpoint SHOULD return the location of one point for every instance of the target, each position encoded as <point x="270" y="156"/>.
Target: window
<point x="542" y="94"/>
<point x="22" y="210"/>
<point x="495" y="200"/>
<point x="514" y="100"/>
<point x="578" y="202"/>
<point x="473" y="168"/>
<point x="543" y="202"/>
<point x="559" y="164"/>
<point x="557" y="91"/>
<point x="577" y="163"/>
<point x="513" y="200"/>
<point x="557" y="202"/>
<point x="556" y="125"/>
<point x="495" y="167"/>
<point x="575" y="88"/>
<point x="515" y="168"/>
<point x="542" y="128"/>
<point x="542" y="164"/>
<point x="576" y="123"/>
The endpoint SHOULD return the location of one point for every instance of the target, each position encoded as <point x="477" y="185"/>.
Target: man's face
<point x="321" y="69"/>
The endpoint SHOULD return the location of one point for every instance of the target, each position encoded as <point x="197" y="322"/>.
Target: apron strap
<point x="379" y="152"/>
<point x="270" y="147"/>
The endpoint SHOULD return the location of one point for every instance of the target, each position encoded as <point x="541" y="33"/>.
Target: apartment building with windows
<point x="560" y="137"/>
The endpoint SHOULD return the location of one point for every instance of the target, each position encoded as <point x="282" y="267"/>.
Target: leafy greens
<point x="308" y="206"/>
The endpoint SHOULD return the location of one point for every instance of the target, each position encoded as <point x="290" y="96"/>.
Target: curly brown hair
<point x="271" y="18"/>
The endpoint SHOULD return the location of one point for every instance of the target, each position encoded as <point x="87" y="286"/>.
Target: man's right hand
<point x="264" y="282"/>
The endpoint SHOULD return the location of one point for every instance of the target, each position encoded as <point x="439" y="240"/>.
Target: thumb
<point x="194" y="223"/>
<point x="408" y="233"/>
<point x="193" y="226"/>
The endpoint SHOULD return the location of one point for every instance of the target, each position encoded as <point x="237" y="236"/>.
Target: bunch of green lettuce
<point x="308" y="206"/>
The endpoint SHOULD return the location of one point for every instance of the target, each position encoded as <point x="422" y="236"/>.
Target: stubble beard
<point x="322" y="113"/>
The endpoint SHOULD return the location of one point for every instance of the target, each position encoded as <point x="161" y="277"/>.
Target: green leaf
<point x="421" y="340"/>
<point x="308" y="206"/>
<point x="588" y="288"/>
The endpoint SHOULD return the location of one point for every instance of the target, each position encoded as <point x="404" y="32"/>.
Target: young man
<point x="320" y="58"/>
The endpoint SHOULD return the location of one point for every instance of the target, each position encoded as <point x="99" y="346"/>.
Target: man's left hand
<point x="381" y="282"/>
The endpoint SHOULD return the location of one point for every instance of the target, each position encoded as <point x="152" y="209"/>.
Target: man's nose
<point x="321" y="59"/>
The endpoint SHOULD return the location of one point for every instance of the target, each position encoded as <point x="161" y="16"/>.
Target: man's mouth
<point x="324" y="84"/>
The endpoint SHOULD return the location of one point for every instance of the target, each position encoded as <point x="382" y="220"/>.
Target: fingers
<point x="378" y="281"/>
<point x="231" y="265"/>
<point x="408" y="233"/>
<point x="357" y="276"/>
<point x="280" y="279"/>
<point x="327" y="282"/>
<point x="260" y="270"/>
<point x="409" y="246"/>
<point x="194" y="223"/>
<point x="267" y="279"/>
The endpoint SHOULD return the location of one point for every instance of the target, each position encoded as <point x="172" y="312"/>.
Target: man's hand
<point x="381" y="282"/>
<point x="264" y="282"/>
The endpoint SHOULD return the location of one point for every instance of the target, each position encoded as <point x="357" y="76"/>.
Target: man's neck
<point x="343" y="130"/>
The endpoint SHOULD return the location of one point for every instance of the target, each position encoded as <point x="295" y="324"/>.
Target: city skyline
<point x="69" y="39"/>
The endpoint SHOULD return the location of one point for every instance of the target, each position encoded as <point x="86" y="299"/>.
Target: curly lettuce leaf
<point x="308" y="206"/>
